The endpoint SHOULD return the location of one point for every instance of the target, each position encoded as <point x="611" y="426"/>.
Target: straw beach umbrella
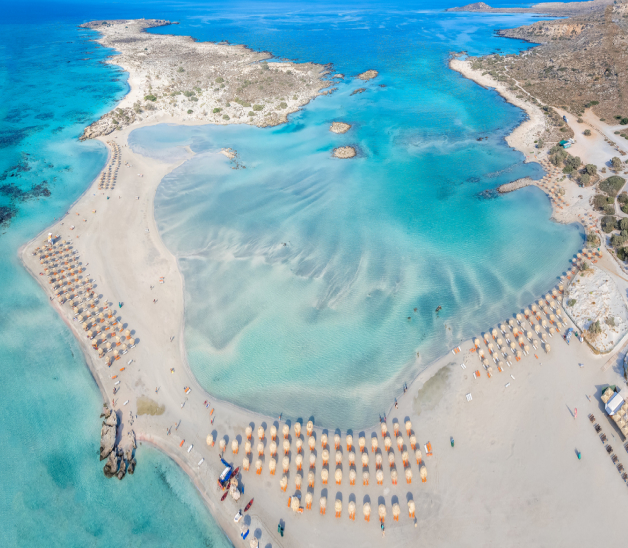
<point x="311" y="477"/>
<point x="260" y="448"/>
<point x="273" y="448"/>
<point x="349" y="440"/>
<point x="423" y="473"/>
<point x="323" y="505"/>
<point x="311" y="442"/>
<point x="366" y="511"/>
<point x="352" y="476"/>
<point x="411" y="508"/>
<point x="365" y="477"/>
<point x="362" y="443"/>
<point x="547" y="348"/>
<point x="338" y="457"/>
<point x="286" y="447"/>
<point x="324" y="440"/>
<point x="246" y="463"/>
<point x="272" y="466"/>
<point x="419" y="456"/>
<point x="223" y="445"/>
<point x="399" y="443"/>
<point x="379" y="476"/>
<point x="405" y="457"/>
<point x="324" y="475"/>
<point x="299" y="444"/>
<point x="381" y="512"/>
<point x="294" y="503"/>
<point x="351" y="509"/>
<point x="338" y="476"/>
<point x="312" y="460"/>
<point x="396" y="511"/>
<point x="234" y="447"/>
<point x="365" y="459"/>
<point x="284" y="483"/>
<point x="374" y="444"/>
<point x="413" y="442"/>
<point x="210" y="440"/>
<point x="325" y="455"/>
<point x="285" y="463"/>
<point x="378" y="460"/>
<point x="299" y="460"/>
<point x="336" y="441"/>
<point x="247" y="447"/>
<point x="308" y="500"/>
<point x="249" y="432"/>
<point x="391" y="459"/>
<point x="408" y="427"/>
<point x="387" y="443"/>
<point x="384" y="429"/>
<point x="500" y="342"/>
<point x="408" y="473"/>
<point x="309" y="428"/>
<point x="260" y="432"/>
<point x="297" y="429"/>
<point x="338" y="507"/>
<point x="273" y="432"/>
<point x="286" y="431"/>
<point x="351" y="458"/>
<point x="393" y="476"/>
<point x="494" y="333"/>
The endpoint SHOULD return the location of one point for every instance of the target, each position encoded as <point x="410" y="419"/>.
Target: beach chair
<point x="428" y="449"/>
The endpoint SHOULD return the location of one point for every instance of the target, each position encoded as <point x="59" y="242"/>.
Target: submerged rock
<point x="344" y="152"/>
<point x="339" y="127"/>
<point x="368" y="75"/>
<point x="122" y="470"/>
<point x="111" y="466"/>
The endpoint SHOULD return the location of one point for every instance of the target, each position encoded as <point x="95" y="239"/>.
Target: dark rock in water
<point x="111" y="466"/>
<point x="131" y="466"/>
<point x="122" y="470"/>
<point x="359" y="90"/>
<point x="488" y="194"/>
<point x="108" y="433"/>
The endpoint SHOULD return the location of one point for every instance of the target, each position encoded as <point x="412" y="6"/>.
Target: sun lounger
<point x="428" y="449"/>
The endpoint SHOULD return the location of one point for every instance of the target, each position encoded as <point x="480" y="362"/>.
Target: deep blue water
<point x="401" y="225"/>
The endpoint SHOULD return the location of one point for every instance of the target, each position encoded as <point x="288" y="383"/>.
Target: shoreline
<point x="151" y="345"/>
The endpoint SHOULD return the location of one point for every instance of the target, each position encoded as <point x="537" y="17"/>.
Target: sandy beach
<point x="511" y="478"/>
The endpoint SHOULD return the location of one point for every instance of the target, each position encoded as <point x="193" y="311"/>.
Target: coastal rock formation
<point x="108" y="432"/>
<point x="597" y="307"/>
<point x="178" y="77"/>
<point x="514" y="185"/>
<point x="476" y="6"/>
<point x="111" y="466"/>
<point x="359" y="90"/>
<point x="344" y="152"/>
<point x="368" y="75"/>
<point x="339" y="127"/>
<point x="229" y="153"/>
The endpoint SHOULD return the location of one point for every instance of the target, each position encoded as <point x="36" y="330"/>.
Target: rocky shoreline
<point x="514" y="185"/>
<point x="120" y="456"/>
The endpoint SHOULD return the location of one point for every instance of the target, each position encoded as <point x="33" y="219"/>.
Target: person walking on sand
<point x="575" y="412"/>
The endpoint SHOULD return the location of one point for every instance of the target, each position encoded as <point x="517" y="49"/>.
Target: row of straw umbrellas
<point x="61" y="263"/>
<point x="513" y="337"/>
<point x="308" y="438"/>
<point x="108" y="178"/>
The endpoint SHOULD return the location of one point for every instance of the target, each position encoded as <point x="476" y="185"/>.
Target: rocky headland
<point x="120" y="456"/>
<point x="178" y="77"/>
<point x="368" y="75"/>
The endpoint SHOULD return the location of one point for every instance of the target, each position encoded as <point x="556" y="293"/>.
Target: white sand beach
<point x="512" y="478"/>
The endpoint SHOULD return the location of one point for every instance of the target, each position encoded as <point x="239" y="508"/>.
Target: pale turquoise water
<point x="320" y="326"/>
<point x="311" y="326"/>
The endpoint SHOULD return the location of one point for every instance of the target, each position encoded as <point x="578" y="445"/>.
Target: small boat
<point x="224" y="496"/>
<point x="182" y="442"/>
<point x="235" y="473"/>
<point x="201" y="462"/>
<point x="248" y="506"/>
<point x="190" y="448"/>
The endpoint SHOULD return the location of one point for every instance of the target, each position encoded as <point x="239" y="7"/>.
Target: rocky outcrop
<point x="111" y="466"/>
<point x="359" y="90"/>
<point x="344" y="152"/>
<point x="339" y="127"/>
<point x="368" y="75"/>
<point x="514" y="185"/>
<point x="476" y="6"/>
<point x="108" y="432"/>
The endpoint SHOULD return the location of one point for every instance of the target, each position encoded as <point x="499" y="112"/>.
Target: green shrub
<point x="600" y="201"/>
<point x="283" y="105"/>
<point x="225" y="117"/>
<point x="590" y="169"/>
<point x="180" y="69"/>
<point x="595" y="328"/>
<point x="585" y="180"/>
<point x="617" y="240"/>
<point x="217" y="109"/>
<point x="623" y="198"/>
<point x="623" y="121"/>
<point x="624" y="208"/>
<point x="612" y="185"/>
<point x="587" y="132"/>
<point x="610" y="321"/>
<point x="623" y="224"/>
<point x="242" y="102"/>
<point x="257" y="108"/>
<point x="571" y="302"/>
<point x="616" y="162"/>
<point x="251" y="113"/>
<point x="572" y="161"/>
<point x="622" y="253"/>
<point x="189" y="93"/>
<point x="190" y="111"/>
<point x="265" y="66"/>
<point x="609" y="209"/>
<point x="220" y="80"/>
<point x="150" y="98"/>
<point x="608" y="223"/>
<point x="593" y="239"/>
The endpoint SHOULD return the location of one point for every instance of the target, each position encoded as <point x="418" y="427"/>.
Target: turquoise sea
<point x="318" y="326"/>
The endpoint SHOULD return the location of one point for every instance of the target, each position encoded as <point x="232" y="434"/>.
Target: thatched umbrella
<point x="299" y="444"/>
<point x="284" y="483"/>
<point x="485" y="362"/>
<point x="399" y="443"/>
<point x="362" y="443"/>
<point x="351" y="457"/>
<point x="338" y="457"/>
<point x="273" y="448"/>
<point x="272" y="465"/>
<point x="486" y="336"/>
<point x="297" y="429"/>
<point x="544" y="337"/>
<point x="285" y="430"/>
<point x="254" y="543"/>
<point x="526" y="312"/>
<point x="511" y="322"/>
<point x="559" y="312"/>
<point x="210" y="440"/>
<point x="286" y="447"/>
<point x="352" y="476"/>
<point x="309" y="428"/>
<point x="374" y="444"/>
<point x="518" y="354"/>
<point x="336" y="441"/>
<point x="325" y="455"/>
<point x="338" y="476"/>
<point x="365" y="477"/>
<point x="419" y="456"/>
<point x="248" y="430"/>
<point x="387" y="443"/>
<point x="537" y="329"/>
<point x="338" y="507"/>
<point x="411" y="508"/>
<point x="553" y="305"/>
<point x="405" y="457"/>
<point x="494" y="332"/>
<point x="547" y="348"/>
<point x="273" y="432"/>
<point x="491" y="348"/>
<point x="519" y="317"/>
<point x="534" y="308"/>
<point x="481" y="354"/>
<point x="408" y="473"/>
<point x="312" y="460"/>
<point x="308" y="500"/>
<point x="294" y="503"/>
<point x="408" y="427"/>
<point x="324" y="475"/>
<point x="246" y="463"/>
<point x="285" y="463"/>
<point x="476" y="342"/>
<point x="299" y="460"/>
<point x="379" y="476"/>
<point x="500" y="342"/>
<point x="551" y="331"/>
<point x="223" y="445"/>
<point x="384" y="429"/>
<point x="260" y="448"/>
<point x="413" y="442"/>
<point x="393" y="476"/>
<point x="349" y="442"/>
<point x="502" y="328"/>
<point x="381" y="511"/>
<point x="512" y="346"/>
<point x="396" y="511"/>
<point x="366" y="510"/>
<point x="351" y="509"/>
<point x="423" y="473"/>
<point x="311" y="442"/>
<point x="260" y="432"/>
<point x="521" y="341"/>
<point x="247" y="447"/>
<point x="324" y="440"/>
<point x="235" y="447"/>
<point x="543" y="323"/>
<point x="365" y="459"/>
<point x="311" y="478"/>
<point x="378" y="460"/>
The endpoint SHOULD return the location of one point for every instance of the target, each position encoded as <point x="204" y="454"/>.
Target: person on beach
<point x="575" y="413"/>
<point x="383" y="530"/>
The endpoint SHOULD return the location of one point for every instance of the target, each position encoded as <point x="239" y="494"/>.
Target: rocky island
<point x="344" y="152"/>
<point x="339" y="127"/>
<point x="368" y="75"/>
